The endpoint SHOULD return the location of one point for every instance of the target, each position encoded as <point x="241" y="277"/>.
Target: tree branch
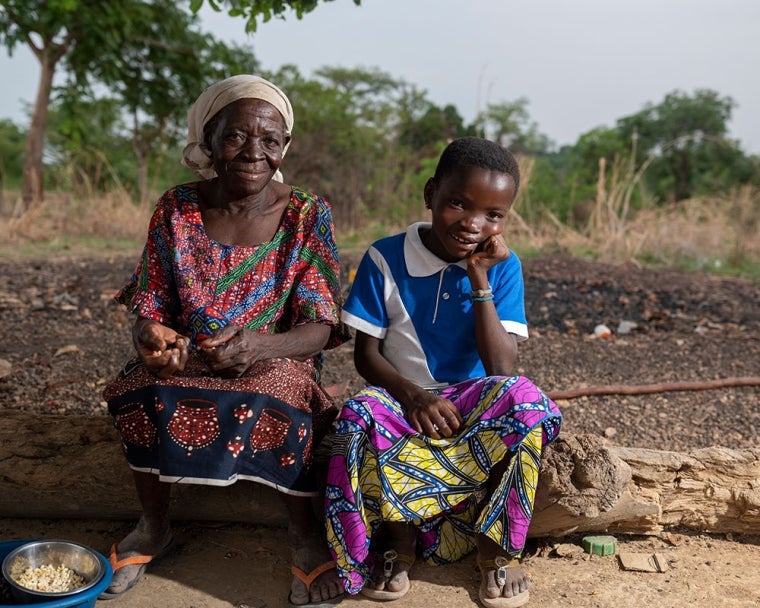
<point x="663" y="387"/>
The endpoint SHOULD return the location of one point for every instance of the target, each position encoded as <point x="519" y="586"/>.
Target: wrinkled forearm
<point x="300" y="343"/>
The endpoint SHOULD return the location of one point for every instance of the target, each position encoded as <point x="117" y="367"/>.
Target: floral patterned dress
<point x="198" y="428"/>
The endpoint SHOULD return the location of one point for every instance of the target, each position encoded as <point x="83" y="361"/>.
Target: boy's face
<point x="469" y="206"/>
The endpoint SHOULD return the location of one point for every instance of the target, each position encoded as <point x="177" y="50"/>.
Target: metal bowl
<point x="81" y="559"/>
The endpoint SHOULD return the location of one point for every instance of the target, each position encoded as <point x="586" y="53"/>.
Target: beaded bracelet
<point x="483" y="299"/>
<point x="481" y="293"/>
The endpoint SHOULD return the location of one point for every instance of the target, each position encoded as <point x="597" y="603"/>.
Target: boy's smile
<point x="469" y="206"/>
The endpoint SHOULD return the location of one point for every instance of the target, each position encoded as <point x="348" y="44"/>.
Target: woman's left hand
<point x="229" y="352"/>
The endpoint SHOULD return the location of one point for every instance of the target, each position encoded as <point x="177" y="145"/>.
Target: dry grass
<point x="717" y="234"/>
<point x="712" y="231"/>
<point x="67" y="225"/>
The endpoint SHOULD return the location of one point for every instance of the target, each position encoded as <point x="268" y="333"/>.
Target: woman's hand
<point x="160" y="348"/>
<point x="433" y="416"/>
<point x="230" y="351"/>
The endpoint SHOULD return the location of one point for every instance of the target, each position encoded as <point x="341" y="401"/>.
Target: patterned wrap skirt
<point x="381" y="469"/>
<point x="202" y="429"/>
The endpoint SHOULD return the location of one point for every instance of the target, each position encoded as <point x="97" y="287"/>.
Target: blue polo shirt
<point x="420" y="307"/>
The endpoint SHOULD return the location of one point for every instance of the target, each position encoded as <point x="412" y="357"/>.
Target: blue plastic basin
<point x="86" y="599"/>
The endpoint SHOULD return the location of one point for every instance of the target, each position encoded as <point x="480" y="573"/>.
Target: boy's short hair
<point x="480" y="153"/>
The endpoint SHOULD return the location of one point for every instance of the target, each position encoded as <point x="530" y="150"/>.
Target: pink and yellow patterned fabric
<point x="381" y="469"/>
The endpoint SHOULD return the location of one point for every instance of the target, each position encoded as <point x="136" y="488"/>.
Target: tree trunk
<point x="72" y="467"/>
<point x="32" y="191"/>
<point x="142" y="176"/>
<point x="141" y="154"/>
<point x="32" y="187"/>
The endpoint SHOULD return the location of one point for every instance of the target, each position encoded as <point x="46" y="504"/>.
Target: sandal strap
<point x="390" y="556"/>
<point x="500" y="563"/>
<point x="135" y="560"/>
<point x="307" y="578"/>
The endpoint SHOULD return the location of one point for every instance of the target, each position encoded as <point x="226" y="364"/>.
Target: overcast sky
<point x="580" y="63"/>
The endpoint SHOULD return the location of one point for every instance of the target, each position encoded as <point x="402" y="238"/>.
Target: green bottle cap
<point x="599" y="545"/>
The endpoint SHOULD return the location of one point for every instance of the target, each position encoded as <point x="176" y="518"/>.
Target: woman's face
<point x="247" y="139"/>
<point x="469" y="206"/>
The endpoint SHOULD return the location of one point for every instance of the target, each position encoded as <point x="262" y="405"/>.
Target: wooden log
<point x="73" y="467"/>
<point x="587" y="485"/>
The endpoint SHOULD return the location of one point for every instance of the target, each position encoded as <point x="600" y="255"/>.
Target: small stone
<point x="567" y="550"/>
<point x="602" y="331"/>
<point x="626" y="327"/>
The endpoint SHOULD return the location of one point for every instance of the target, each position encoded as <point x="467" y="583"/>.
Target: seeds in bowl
<point x="50" y="579"/>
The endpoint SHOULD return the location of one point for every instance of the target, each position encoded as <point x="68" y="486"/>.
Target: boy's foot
<point x="504" y="583"/>
<point x="390" y="578"/>
<point x="315" y="579"/>
<point x="139" y="543"/>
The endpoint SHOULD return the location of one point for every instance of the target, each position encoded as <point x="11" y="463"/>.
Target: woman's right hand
<point x="160" y="348"/>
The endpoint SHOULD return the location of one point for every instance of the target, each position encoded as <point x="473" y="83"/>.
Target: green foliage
<point x="156" y="74"/>
<point x="347" y="142"/>
<point x="253" y="10"/>
<point x="509" y="123"/>
<point x="12" y="139"/>
<point x="52" y="29"/>
<point x="45" y="20"/>
<point x="81" y="130"/>
<point x="364" y="139"/>
<point x="148" y="54"/>
<point x="666" y="152"/>
<point x="685" y="138"/>
<point x="543" y="194"/>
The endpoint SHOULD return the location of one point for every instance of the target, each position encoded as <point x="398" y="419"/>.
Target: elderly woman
<point x="236" y="296"/>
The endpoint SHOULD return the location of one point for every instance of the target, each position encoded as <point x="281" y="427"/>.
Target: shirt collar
<point x="420" y="261"/>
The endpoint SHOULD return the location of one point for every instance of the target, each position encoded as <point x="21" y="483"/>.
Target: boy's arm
<point x="427" y="413"/>
<point x="496" y="346"/>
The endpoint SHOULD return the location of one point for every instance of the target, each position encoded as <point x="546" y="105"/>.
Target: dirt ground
<point x="64" y="338"/>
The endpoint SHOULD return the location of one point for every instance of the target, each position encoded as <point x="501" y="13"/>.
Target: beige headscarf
<point x="196" y="155"/>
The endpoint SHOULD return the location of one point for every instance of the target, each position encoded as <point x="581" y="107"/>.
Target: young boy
<point x="440" y="453"/>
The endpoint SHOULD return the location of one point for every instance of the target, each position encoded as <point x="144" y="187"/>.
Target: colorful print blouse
<point x="196" y="285"/>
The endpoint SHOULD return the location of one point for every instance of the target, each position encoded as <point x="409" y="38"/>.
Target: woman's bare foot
<point x="514" y="581"/>
<point x="312" y="558"/>
<point x="394" y="556"/>
<point x="315" y="578"/>
<point x="144" y="540"/>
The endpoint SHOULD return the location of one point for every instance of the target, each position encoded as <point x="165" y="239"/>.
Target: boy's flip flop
<point x="135" y="560"/>
<point x="500" y="564"/>
<point x="389" y="557"/>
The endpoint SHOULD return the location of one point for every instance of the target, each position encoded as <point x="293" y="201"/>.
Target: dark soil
<point x="65" y="337"/>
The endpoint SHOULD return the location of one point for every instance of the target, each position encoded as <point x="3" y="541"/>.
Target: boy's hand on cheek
<point x="492" y="251"/>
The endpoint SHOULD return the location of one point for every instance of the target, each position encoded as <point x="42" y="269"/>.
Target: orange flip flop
<point x="307" y="578"/>
<point x="134" y="560"/>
